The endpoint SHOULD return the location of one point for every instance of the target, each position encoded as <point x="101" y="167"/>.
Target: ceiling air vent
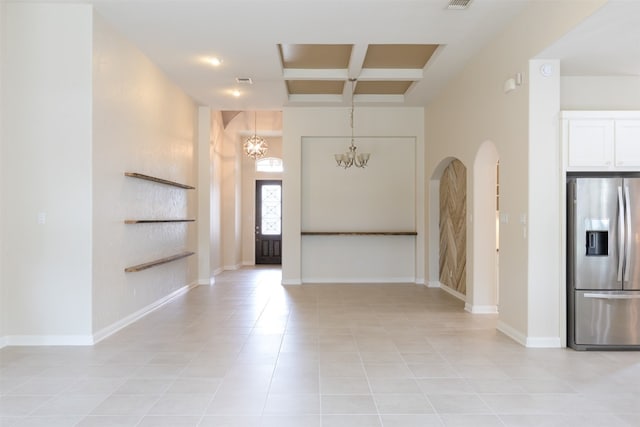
<point x="458" y="4"/>
<point x="244" y="80"/>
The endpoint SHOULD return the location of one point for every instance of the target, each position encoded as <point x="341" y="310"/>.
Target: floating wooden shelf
<point x="160" y="261"/>
<point x="359" y="233"/>
<point x="159" y="180"/>
<point x="153" y="221"/>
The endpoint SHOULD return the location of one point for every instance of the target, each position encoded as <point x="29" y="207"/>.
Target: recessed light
<point x="236" y="93"/>
<point x="215" y="61"/>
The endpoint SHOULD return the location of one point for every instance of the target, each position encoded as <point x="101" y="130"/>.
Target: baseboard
<point x="3" y="342"/>
<point x="291" y="282"/>
<point x="419" y="281"/>
<point x="205" y="282"/>
<point x="122" y="323"/>
<point x="232" y="267"/>
<point x="447" y="289"/>
<point x="529" y="342"/>
<point x="481" y="309"/>
<point x="382" y="280"/>
<point x="434" y="284"/>
<point x="48" y="340"/>
<point x="544" y="342"/>
<point x="512" y="333"/>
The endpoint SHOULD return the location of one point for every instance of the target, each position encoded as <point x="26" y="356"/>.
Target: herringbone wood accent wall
<point x="453" y="227"/>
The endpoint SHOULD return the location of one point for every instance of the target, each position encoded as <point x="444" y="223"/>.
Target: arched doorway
<point x="471" y="214"/>
<point x="453" y="227"/>
<point x="447" y="228"/>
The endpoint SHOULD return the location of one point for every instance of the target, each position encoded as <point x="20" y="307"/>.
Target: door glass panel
<point x="271" y="200"/>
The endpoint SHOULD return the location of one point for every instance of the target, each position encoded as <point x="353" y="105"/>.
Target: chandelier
<point x="351" y="158"/>
<point x="255" y="146"/>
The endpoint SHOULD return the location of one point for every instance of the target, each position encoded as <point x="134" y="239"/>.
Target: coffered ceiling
<point x="321" y="72"/>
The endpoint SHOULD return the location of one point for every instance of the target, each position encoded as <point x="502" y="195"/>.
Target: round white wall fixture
<point x="546" y="70"/>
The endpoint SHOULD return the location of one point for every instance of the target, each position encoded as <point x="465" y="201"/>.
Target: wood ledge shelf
<point x="154" y="221"/>
<point x="160" y="261"/>
<point x="359" y="233"/>
<point x="159" y="180"/>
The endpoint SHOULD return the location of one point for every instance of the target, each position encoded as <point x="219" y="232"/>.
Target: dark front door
<point x="268" y="222"/>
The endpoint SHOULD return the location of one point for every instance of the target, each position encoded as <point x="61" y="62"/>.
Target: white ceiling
<point x="606" y="44"/>
<point x="178" y="35"/>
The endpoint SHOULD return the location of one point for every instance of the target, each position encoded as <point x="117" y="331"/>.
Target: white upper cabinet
<point x="601" y="140"/>
<point x="590" y="143"/>
<point x="627" y="144"/>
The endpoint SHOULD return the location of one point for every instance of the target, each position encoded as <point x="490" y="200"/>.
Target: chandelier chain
<point x="351" y="157"/>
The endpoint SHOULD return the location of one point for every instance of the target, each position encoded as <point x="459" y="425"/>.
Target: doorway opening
<point x="486" y="231"/>
<point x="453" y="228"/>
<point x="268" y="222"/>
<point x="448" y="246"/>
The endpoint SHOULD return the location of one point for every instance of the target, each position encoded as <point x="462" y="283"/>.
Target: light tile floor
<point x="248" y="352"/>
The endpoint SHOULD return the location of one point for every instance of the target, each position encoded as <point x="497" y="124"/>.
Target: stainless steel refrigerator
<point x="603" y="262"/>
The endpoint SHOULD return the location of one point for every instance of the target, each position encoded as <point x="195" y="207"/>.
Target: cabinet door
<point x="627" y="147"/>
<point x="590" y="144"/>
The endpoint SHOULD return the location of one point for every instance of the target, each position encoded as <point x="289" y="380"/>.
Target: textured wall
<point x="142" y="123"/>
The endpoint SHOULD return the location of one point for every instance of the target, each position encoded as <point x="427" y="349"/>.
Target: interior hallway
<point x="248" y="352"/>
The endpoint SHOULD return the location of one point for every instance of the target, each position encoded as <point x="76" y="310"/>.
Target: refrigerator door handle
<point x="620" y="233"/>
<point x="611" y="296"/>
<point x="627" y="203"/>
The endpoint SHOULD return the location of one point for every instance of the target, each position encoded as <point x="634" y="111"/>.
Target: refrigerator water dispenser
<point x="597" y="243"/>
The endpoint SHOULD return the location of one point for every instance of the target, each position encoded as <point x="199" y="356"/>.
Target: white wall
<point x="300" y="254"/>
<point x="380" y="197"/>
<point x="142" y="123"/>
<point x="215" y="221"/>
<point x="473" y="109"/>
<point x="3" y="296"/>
<point x="231" y="201"/>
<point x="546" y="327"/>
<point x="600" y="92"/>
<point x="205" y="186"/>
<point x="47" y="184"/>
<point x="482" y="290"/>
